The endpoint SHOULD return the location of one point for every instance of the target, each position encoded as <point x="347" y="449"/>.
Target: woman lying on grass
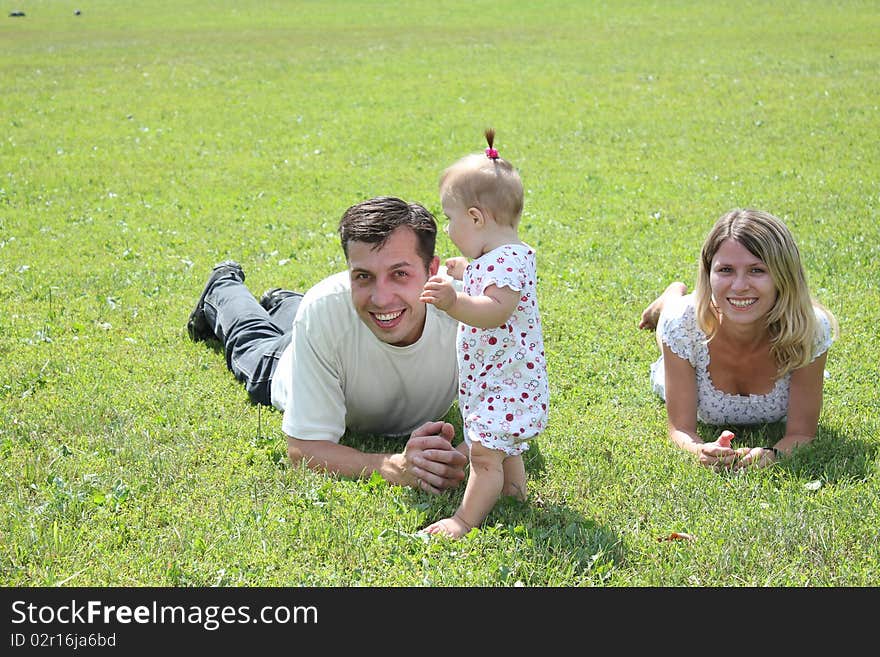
<point x="748" y="346"/>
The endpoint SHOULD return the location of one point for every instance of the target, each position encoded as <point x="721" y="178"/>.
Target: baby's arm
<point x="488" y="310"/>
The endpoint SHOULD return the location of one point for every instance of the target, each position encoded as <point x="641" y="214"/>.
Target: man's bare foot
<point x="651" y="314"/>
<point x="452" y="527"/>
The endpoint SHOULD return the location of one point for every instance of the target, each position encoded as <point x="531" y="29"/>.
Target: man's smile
<point x="387" y="320"/>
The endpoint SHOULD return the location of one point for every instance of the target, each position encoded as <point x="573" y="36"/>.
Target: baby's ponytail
<point x="491" y="153"/>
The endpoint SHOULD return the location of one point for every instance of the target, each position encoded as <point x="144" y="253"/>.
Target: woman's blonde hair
<point x="792" y="321"/>
<point x="485" y="181"/>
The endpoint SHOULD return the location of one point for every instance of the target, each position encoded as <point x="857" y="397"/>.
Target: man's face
<point x="386" y="284"/>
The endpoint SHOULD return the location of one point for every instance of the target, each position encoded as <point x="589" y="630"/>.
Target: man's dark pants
<point x="253" y="338"/>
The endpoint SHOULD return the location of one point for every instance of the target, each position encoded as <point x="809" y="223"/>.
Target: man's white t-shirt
<point x="336" y="375"/>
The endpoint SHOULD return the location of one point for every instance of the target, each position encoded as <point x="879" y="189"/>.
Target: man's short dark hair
<point x="372" y="221"/>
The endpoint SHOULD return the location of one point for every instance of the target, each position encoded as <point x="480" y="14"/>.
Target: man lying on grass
<point x="357" y="352"/>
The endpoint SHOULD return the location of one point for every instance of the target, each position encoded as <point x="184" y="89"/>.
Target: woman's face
<point x="742" y="287"/>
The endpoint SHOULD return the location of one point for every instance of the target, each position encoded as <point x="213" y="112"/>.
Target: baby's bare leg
<point x="484" y="486"/>
<point x="514" y="477"/>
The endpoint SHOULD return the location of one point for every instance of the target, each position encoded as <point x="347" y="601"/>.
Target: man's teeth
<point x="741" y="303"/>
<point x="387" y="317"/>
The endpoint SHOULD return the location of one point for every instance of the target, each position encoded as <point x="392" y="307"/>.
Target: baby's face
<point x="462" y="227"/>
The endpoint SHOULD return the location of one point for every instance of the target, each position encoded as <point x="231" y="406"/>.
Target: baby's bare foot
<point x="452" y="527"/>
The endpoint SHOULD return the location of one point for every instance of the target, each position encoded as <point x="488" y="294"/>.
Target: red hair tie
<point x="491" y="153"/>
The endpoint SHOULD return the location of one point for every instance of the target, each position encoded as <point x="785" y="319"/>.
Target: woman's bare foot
<point x="651" y="314"/>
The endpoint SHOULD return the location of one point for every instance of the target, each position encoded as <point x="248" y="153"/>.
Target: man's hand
<point x="431" y="463"/>
<point x="439" y="291"/>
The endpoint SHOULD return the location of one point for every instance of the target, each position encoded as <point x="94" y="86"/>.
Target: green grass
<point x="141" y="143"/>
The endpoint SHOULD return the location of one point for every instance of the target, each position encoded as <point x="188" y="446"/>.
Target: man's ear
<point x="476" y="216"/>
<point x="435" y="266"/>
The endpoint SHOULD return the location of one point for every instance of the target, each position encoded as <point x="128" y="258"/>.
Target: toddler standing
<point x="503" y="390"/>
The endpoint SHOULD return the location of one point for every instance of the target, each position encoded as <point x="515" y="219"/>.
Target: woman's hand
<point x="716" y="455"/>
<point x="754" y="457"/>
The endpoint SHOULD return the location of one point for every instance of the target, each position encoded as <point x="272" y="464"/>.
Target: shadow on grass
<point x="215" y="345"/>
<point x="832" y="456"/>
<point x="544" y="533"/>
<point x="548" y="538"/>
<point x="560" y="535"/>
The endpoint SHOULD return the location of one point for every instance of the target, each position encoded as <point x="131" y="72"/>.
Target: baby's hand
<point x="439" y="292"/>
<point x="455" y="267"/>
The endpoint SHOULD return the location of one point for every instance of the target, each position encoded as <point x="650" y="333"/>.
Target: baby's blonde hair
<point x="487" y="182"/>
<point x="792" y="321"/>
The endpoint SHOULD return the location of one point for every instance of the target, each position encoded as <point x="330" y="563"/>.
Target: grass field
<point x="140" y="143"/>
